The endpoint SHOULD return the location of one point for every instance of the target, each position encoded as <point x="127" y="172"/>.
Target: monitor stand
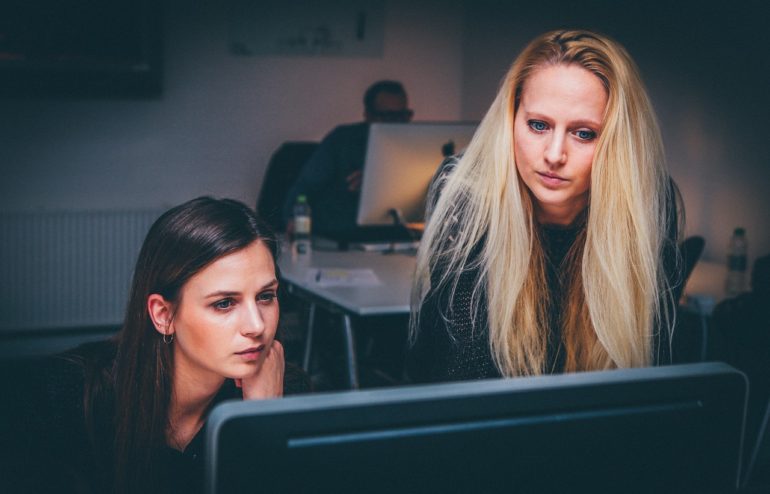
<point x="378" y="237"/>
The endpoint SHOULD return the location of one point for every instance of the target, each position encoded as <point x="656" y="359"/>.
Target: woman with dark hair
<point x="127" y="415"/>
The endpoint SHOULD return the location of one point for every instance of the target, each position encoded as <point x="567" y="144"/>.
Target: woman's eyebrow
<point x="270" y="283"/>
<point x="231" y="293"/>
<point x="587" y="122"/>
<point x="222" y="293"/>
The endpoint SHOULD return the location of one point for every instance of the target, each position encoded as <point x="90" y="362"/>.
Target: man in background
<point x="331" y="178"/>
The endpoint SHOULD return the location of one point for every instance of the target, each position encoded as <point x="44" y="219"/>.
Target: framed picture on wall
<point x="348" y="28"/>
<point x="80" y="48"/>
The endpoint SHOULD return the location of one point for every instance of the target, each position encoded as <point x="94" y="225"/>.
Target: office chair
<point x="690" y="340"/>
<point x="282" y="171"/>
<point x="691" y="249"/>
<point x="744" y="325"/>
<point x="757" y="473"/>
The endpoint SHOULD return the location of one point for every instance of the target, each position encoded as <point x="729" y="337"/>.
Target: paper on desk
<point x="329" y="277"/>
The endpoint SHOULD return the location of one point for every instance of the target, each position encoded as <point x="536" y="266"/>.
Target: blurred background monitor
<point x="400" y="161"/>
<point x="674" y="429"/>
<point x="81" y="48"/>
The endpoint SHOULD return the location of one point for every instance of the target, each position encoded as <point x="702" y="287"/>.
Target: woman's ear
<point x="161" y="312"/>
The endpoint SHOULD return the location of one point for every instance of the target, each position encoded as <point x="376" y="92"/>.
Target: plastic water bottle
<point x="736" y="263"/>
<point x="301" y="246"/>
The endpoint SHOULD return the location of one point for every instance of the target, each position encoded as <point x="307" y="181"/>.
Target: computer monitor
<point x="674" y="429"/>
<point x="400" y="161"/>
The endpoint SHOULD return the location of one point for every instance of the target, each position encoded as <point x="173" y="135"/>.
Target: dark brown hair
<point x="180" y="243"/>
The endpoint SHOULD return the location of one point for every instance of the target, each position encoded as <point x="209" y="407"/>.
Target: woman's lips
<point x="251" y="353"/>
<point x="551" y="179"/>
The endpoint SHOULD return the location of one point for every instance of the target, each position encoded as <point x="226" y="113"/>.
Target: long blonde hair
<point x="483" y="221"/>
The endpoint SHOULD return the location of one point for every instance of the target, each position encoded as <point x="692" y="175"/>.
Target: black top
<point x="61" y="454"/>
<point x="450" y="347"/>
<point x="323" y="179"/>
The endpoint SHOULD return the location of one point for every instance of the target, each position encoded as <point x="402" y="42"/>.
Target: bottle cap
<point x="740" y="231"/>
<point x="302" y="198"/>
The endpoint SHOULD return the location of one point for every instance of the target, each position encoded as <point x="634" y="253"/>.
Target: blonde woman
<point x="551" y="245"/>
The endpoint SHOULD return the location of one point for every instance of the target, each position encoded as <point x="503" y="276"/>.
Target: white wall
<point x="706" y="68"/>
<point x="220" y="117"/>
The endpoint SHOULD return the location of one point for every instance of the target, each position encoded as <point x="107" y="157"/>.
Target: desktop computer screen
<point x="400" y="161"/>
<point x="675" y="429"/>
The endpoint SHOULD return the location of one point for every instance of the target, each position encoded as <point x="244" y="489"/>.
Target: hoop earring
<point x="167" y="339"/>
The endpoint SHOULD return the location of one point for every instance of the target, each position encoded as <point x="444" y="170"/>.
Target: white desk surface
<point x="391" y="296"/>
<point x="395" y="272"/>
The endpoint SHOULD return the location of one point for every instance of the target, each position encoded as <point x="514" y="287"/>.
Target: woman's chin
<point x="245" y="371"/>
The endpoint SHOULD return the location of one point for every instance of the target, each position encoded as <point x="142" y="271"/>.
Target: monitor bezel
<point x="531" y="393"/>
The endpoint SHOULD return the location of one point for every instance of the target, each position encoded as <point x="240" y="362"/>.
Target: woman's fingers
<point x="268" y="381"/>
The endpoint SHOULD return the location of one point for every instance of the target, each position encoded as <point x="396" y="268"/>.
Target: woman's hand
<point x="268" y="381"/>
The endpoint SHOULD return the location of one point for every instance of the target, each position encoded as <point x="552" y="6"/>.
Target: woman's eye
<point x="266" y="297"/>
<point x="224" y="304"/>
<point x="537" y="125"/>
<point x="585" y="135"/>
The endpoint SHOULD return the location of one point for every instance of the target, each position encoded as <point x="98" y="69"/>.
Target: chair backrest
<point x="741" y="323"/>
<point x="282" y="171"/>
<point x="758" y="471"/>
<point x="691" y="249"/>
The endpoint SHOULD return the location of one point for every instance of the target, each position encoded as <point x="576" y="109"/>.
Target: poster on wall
<point x="81" y="48"/>
<point x="348" y="28"/>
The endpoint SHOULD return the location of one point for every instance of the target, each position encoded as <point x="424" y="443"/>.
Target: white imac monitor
<point x="400" y="162"/>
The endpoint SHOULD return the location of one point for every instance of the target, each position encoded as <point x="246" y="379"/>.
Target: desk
<point x="391" y="296"/>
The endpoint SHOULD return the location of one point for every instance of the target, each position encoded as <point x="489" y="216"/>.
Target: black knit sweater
<point x="453" y="342"/>
<point x="61" y="450"/>
<point x="450" y="347"/>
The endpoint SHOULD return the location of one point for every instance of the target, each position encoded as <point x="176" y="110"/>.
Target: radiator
<point x="68" y="269"/>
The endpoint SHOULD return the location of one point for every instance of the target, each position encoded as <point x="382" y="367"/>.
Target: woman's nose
<point x="555" y="153"/>
<point x="253" y="324"/>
